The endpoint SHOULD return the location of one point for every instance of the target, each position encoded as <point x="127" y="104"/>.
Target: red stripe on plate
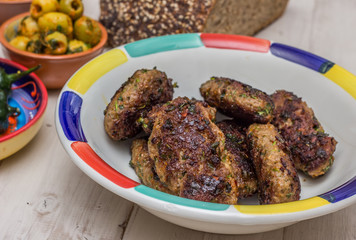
<point x="87" y="154"/>
<point x="238" y="42"/>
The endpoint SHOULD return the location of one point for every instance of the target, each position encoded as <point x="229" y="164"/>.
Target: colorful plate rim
<point x="41" y="108"/>
<point x="74" y="141"/>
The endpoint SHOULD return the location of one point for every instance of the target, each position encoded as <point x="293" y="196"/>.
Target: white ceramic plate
<point x="190" y="60"/>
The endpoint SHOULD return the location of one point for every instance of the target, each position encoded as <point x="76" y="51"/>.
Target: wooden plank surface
<point x="43" y="195"/>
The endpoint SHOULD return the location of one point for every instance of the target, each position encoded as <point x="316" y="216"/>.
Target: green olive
<point x="20" y="42"/>
<point x="56" y="21"/>
<point x="28" y="27"/>
<point x="56" y="43"/>
<point x="40" y="7"/>
<point x="35" y="44"/>
<point x="75" y="46"/>
<point x="74" y="8"/>
<point x="87" y="30"/>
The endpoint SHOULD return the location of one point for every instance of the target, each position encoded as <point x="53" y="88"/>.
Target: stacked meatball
<point x="282" y="132"/>
<point x="188" y="154"/>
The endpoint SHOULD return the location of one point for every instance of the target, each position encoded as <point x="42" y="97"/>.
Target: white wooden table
<point x="43" y="195"/>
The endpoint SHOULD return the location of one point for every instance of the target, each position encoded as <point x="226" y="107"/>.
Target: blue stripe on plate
<point x="346" y="190"/>
<point x="69" y="116"/>
<point x="301" y="57"/>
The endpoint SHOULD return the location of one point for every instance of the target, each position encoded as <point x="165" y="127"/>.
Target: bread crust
<point x="243" y="17"/>
<point x="128" y="21"/>
<point x="131" y="20"/>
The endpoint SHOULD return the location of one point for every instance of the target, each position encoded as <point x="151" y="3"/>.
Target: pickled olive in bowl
<point x="87" y="30"/>
<point x="35" y="44"/>
<point x="56" y="43"/>
<point x="28" y="27"/>
<point x="39" y="31"/>
<point x="50" y="49"/>
<point x="56" y="21"/>
<point x="40" y="7"/>
<point x="20" y="42"/>
<point x="75" y="46"/>
<point x="74" y="8"/>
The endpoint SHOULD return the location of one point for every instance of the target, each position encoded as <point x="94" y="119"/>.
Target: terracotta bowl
<point x="10" y="8"/>
<point x="30" y="95"/>
<point x="56" y="69"/>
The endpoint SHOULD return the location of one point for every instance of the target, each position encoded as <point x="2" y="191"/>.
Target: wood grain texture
<point x="323" y="27"/>
<point x="43" y="195"/>
<point x="144" y="225"/>
<point x="339" y="225"/>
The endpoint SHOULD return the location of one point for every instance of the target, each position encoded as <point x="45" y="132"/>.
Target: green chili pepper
<point x="6" y="80"/>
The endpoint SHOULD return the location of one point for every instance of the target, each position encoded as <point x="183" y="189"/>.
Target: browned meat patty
<point x="312" y="149"/>
<point x="278" y="180"/>
<point x="144" y="166"/>
<point x="237" y="100"/>
<point x="189" y="152"/>
<point x="236" y="144"/>
<point x="135" y="97"/>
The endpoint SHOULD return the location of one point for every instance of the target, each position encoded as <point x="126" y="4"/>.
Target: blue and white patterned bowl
<point x="191" y="59"/>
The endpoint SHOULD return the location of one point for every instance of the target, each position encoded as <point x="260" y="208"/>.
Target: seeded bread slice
<point x="130" y="20"/>
<point x="244" y="17"/>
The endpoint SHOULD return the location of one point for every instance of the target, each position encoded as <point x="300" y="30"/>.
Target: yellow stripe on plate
<point x="92" y="71"/>
<point x="343" y="78"/>
<point x="290" y="207"/>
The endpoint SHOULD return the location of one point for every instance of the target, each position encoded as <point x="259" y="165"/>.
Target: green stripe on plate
<point x="180" y="201"/>
<point x="163" y="43"/>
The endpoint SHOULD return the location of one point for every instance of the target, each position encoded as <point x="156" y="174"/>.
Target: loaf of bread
<point x="130" y="20"/>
